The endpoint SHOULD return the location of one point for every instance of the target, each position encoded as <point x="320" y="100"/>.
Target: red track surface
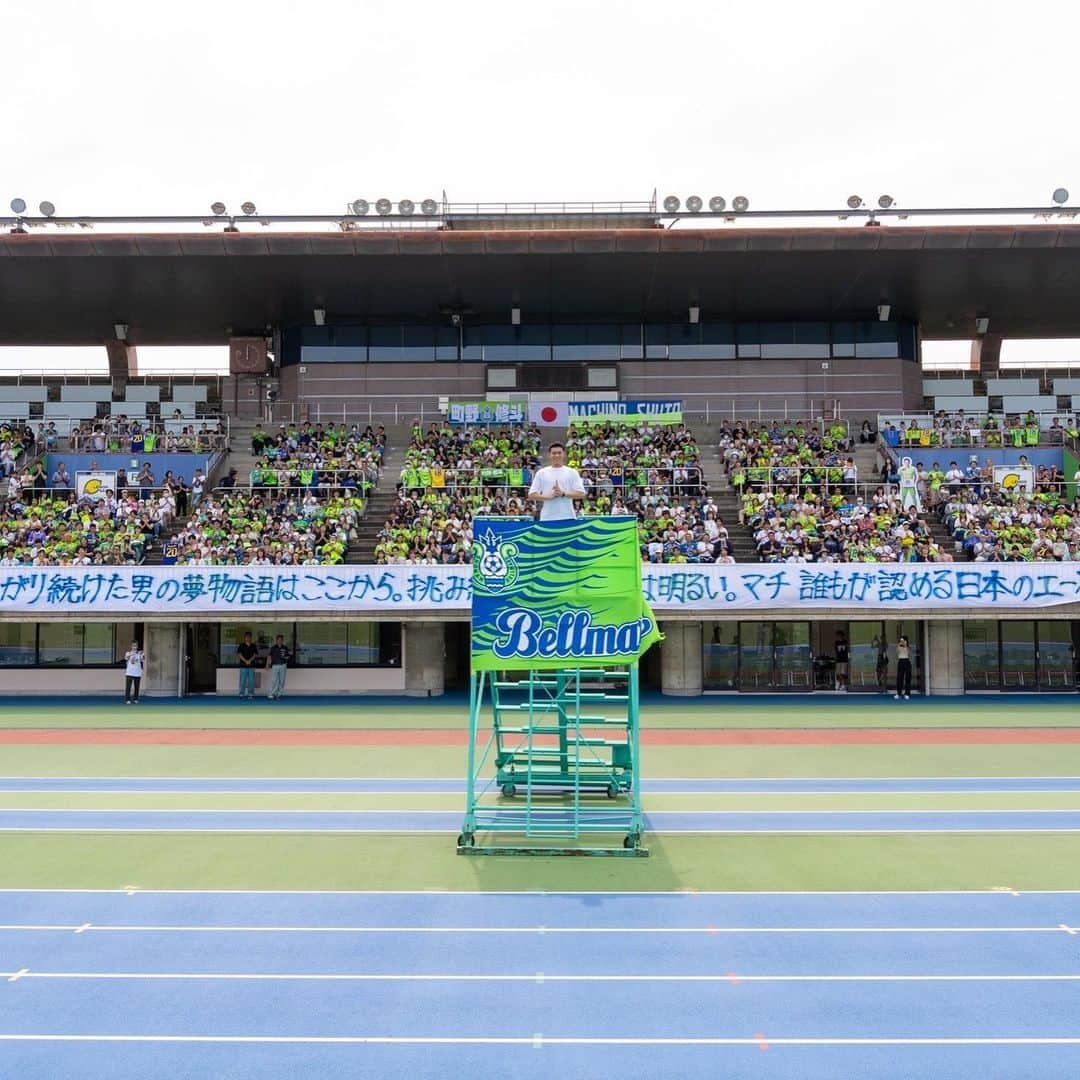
<point x="430" y="737"/>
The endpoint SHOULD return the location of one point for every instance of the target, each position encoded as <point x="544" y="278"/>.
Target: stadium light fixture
<point x="47" y="209"/>
<point x="248" y="208"/>
<point x="359" y="207"/>
<point x="217" y="208"/>
<point x="982" y="324"/>
<point x="672" y="204"/>
<point x="429" y="207"/>
<point x="695" y="313"/>
<point x="320" y="316"/>
<point x="883" y="312"/>
<point x="383" y="206"/>
<point x="406" y="207"/>
<point x="121" y="331"/>
<point x="885" y="201"/>
<point x="717" y="204"/>
<point x="694" y="204"/>
<point x="854" y="202"/>
<point x="515" y="316"/>
<point x="1061" y="196"/>
<point x="18" y="206"/>
<point x="740" y="204"/>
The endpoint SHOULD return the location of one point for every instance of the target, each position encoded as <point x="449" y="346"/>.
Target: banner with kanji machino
<point x="556" y="594"/>
<point x="871" y="590"/>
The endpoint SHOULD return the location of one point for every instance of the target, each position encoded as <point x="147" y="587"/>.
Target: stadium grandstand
<point x="756" y="393"/>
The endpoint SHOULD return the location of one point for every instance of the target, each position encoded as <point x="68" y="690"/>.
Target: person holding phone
<point x="134" y="660"/>
<point x="903" y="669"/>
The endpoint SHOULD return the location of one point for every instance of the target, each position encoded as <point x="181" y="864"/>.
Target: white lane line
<point x="1068" y="929"/>
<point x="436" y="830"/>
<point x="427" y="929"/>
<point x="482" y="1040"/>
<point x="81" y="929"/>
<point x="538" y="977"/>
<point x="646" y="791"/>
<point x="574" y="894"/>
<point x="545" y="812"/>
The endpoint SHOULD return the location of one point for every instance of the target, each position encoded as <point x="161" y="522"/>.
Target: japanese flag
<point x="549" y="413"/>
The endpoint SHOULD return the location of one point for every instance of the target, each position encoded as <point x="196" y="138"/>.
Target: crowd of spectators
<point x="452" y="475"/>
<point x="992" y="524"/>
<point x="331" y="459"/>
<point x="14" y="446"/>
<point x="804" y="457"/>
<point x="957" y="429"/>
<point x="58" y="529"/>
<point x="267" y="528"/>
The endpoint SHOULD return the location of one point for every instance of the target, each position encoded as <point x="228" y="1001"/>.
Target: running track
<point x="643" y="985"/>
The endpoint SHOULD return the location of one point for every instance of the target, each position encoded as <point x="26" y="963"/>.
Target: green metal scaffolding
<point x="553" y="763"/>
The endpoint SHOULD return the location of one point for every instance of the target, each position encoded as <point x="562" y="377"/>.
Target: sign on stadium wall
<point x="626" y="412"/>
<point x="873" y="589"/>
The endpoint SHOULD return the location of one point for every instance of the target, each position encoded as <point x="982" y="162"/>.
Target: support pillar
<point x="161" y="674"/>
<point x="945" y="657"/>
<point x="681" y="661"/>
<point x="425" y="658"/>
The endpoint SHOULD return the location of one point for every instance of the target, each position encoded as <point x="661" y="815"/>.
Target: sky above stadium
<point x="119" y="106"/>
<point x="128" y="106"/>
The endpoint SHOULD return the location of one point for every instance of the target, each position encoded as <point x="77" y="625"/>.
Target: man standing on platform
<point x="278" y="663"/>
<point x="557" y="486"/>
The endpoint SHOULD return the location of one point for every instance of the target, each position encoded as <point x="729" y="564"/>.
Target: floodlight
<point x="740" y="204"/>
<point x="217" y="208"/>
<point x="360" y="207"/>
<point x="320" y="316"/>
<point x="406" y="207"/>
<point x="47" y="209"/>
<point x="982" y="324"/>
<point x="672" y="204"/>
<point x="695" y="313"/>
<point x="429" y="207"/>
<point x="18" y="205"/>
<point x="1060" y="196"/>
<point x="717" y="204"/>
<point x="383" y="206"/>
<point x="694" y="204"/>
<point x="248" y="208"/>
<point x="854" y="202"/>
<point x="121" y="331"/>
<point x="515" y="316"/>
<point x="885" y="201"/>
<point x="883" y="312"/>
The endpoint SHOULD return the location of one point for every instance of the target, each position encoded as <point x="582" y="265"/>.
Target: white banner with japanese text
<point x="872" y="588"/>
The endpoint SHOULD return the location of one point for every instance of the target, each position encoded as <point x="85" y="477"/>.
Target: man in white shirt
<point x="556" y="487"/>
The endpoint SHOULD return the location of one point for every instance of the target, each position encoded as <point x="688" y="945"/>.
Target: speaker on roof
<point x="383" y="206"/>
<point x="672" y="204"/>
<point x="717" y="204"/>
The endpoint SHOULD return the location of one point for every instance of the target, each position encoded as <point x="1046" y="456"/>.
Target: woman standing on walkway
<point x="133" y="672"/>
<point x="903" y="669"/>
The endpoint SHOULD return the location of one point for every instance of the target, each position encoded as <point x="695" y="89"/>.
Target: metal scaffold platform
<point x="553" y="763"/>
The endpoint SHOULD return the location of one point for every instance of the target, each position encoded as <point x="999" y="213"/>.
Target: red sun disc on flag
<point x="548" y="414"/>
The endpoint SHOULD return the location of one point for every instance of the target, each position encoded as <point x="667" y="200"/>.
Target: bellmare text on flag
<point x="558" y="594"/>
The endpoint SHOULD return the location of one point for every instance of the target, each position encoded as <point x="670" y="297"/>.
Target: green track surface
<point x="413" y="861"/>
<point x="856" y="710"/>
<point x="386" y="861"/>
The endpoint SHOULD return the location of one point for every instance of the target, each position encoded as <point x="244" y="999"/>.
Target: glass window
<point x="792" y="655"/>
<point x="18" y="644"/>
<point x="656" y="341"/>
<point x="61" y="644"/>
<point x="597" y="342"/>
<point x="981" y="669"/>
<point x="867" y="646"/>
<point x="1018" y="655"/>
<point x="721" y="656"/>
<point x="446" y="343"/>
<point x="321" y="644"/>
<point x="755" y="655"/>
<point x="364" y="643"/>
<point x="1057" y="662"/>
<point x="418" y="343"/>
<point x="748" y="339"/>
<point x="263" y="634"/>
<point x="385" y="344"/>
<point x="684" y="341"/>
<point x="630" y="342"/>
<point x="99" y="643"/>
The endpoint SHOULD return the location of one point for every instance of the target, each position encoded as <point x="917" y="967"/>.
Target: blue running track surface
<point x="120" y="984"/>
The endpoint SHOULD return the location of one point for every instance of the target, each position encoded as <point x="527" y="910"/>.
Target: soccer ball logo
<point x="494" y="565"/>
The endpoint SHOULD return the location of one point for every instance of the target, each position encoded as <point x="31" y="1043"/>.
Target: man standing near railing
<point x="556" y="487"/>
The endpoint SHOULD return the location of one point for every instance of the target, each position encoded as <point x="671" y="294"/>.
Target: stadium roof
<point x="62" y="287"/>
